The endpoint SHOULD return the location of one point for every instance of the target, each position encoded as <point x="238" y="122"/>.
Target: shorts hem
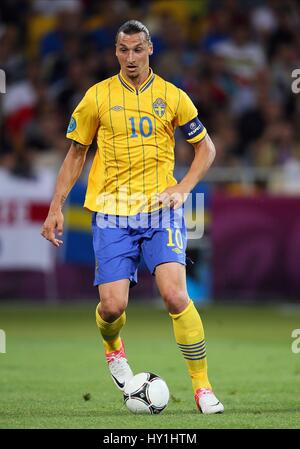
<point x="115" y="278"/>
<point x="167" y="261"/>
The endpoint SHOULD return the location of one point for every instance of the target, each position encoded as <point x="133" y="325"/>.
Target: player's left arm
<point x="205" y="153"/>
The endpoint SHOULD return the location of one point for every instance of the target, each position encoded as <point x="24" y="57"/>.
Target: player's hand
<point x="173" y="197"/>
<point x="53" y="223"/>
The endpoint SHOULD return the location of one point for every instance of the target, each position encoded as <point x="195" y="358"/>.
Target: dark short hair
<point x="133" y="27"/>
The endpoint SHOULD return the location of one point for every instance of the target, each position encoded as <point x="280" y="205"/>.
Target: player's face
<point x="133" y="53"/>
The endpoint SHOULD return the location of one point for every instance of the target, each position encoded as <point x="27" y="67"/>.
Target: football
<point x="146" y="393"/>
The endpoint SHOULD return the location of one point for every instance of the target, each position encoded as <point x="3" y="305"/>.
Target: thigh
<point x="171" y="276"/>
<point x="114" y="295"/>
<point x="116" y="289"/>
<point x="117" y="254"/>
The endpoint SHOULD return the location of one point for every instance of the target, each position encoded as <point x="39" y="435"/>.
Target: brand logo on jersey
<point x="117" y="108"/>
<point x="72" y="125"/>
<point x="159" y="107"/>
<point x="193" y="125"/>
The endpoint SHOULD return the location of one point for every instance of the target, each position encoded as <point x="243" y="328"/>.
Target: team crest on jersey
<point x="159" y="107"/>
<point x="117" y="108"/>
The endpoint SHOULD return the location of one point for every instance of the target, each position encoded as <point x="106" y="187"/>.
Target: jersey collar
<point x="142" y="87"/>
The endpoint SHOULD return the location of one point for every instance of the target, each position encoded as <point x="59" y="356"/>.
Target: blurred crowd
<point x="234" y="58"/>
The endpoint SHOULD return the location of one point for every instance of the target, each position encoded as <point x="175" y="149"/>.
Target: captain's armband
<point x="193" y="128"/>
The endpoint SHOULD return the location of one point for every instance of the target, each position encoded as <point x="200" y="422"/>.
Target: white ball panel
<point x="135" y="383"/>
<point x="136" y="406"/>
<point x="158" y="393"/>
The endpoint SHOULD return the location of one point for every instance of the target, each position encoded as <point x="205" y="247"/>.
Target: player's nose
<point x="131" y="57"/>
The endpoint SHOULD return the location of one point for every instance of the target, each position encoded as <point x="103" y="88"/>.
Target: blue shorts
<point x="118" y="243"/>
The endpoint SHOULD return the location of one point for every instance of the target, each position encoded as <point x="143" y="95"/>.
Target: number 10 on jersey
<point x="144" y="124"/>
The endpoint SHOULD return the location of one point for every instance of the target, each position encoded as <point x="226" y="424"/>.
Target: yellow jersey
<point x="135" y="140"/>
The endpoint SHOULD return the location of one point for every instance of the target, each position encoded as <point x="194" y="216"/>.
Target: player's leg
<point x="110" y="312"/>
<point x="187" y="324"/>
<point x="164" y="254"/>
<point x="117" y="257"/>
<point x="110" y="318"/>
<point x="188" y="331"/>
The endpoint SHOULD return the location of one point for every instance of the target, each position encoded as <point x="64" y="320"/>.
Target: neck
<point x="138" y="80"/>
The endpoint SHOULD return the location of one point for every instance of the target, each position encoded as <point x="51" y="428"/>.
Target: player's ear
<point x="150" y="49"/>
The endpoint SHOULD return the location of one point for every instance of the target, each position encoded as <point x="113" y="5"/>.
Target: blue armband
<point x="192" y="128"/>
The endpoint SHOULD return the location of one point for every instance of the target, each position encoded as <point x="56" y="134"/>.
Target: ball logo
<point x="72" y="125"/>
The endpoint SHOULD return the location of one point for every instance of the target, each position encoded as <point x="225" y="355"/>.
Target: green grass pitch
<point x="54" y="357"/>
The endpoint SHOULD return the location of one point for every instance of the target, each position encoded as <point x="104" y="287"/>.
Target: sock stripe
<point x="195" y="348"/>
<point x="190" y="345"/>
<point x="193" y="351"/>
<point x="190" y="339"/>
<point x="195" y="358"/>
<point x="192" y="354"/>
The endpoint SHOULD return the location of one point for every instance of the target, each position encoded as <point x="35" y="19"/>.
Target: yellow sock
<point x="189" y="335"/>
<point x="110" y="331"/>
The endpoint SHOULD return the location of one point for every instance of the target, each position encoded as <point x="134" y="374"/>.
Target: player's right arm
<point x="68" y="174"/>
<point x="81" y="130"/>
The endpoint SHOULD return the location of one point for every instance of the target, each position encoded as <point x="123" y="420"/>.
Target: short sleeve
<point x="187" y="119"/>
<point x="84" y="122"/>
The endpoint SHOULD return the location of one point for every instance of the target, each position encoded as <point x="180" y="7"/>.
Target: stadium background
<point x="235" y="59"/>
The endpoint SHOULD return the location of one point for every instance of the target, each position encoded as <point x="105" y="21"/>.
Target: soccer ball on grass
<point x="146" y="393"/>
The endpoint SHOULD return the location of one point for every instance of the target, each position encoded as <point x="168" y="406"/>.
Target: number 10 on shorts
<point x="177" y="237"/>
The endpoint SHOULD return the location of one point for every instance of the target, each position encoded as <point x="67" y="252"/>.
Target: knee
<point x="176" y="299"/>
<point x="111" y="308"/>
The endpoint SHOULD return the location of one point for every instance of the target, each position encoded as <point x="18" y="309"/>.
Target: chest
<point x="137" y="115"/>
